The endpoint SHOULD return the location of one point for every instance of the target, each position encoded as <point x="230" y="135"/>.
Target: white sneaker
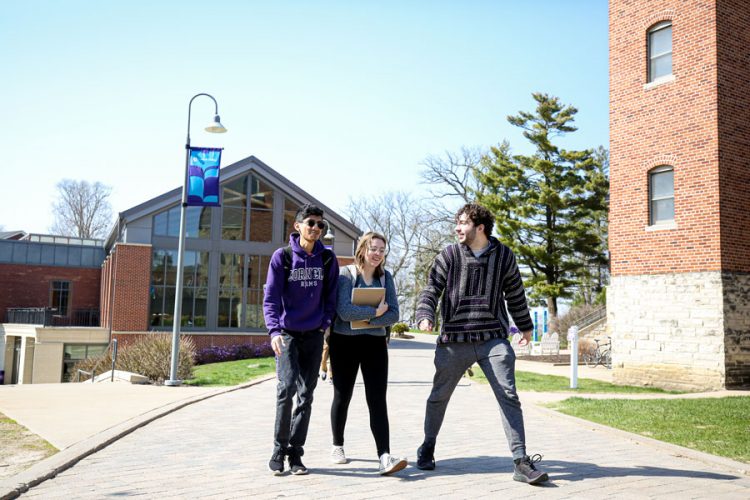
<point x="390" y="464"/>
<point x="337" y="455"/>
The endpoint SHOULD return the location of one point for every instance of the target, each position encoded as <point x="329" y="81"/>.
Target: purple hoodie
<point x="302" y="303"/>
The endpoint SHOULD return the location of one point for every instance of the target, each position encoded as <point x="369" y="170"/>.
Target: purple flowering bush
<point x="218" y="354"/>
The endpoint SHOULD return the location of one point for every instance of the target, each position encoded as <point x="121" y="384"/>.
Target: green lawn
<point x="232" y="372"/>
<point x="527" y="381"/>
<point x="719" y="426"/>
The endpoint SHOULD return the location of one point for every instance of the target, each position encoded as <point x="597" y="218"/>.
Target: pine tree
<point x="546" y="204"/>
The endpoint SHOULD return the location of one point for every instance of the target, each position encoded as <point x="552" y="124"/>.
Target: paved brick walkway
<point x="218" y="448"/>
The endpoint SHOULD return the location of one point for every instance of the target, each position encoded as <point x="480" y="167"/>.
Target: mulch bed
<point x="557" y="359"/>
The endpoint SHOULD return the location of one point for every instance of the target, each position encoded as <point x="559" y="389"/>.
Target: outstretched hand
<point x="525" y="337"/>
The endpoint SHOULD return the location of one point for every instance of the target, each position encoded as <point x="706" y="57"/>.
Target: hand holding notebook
<point x="366" y="297"/>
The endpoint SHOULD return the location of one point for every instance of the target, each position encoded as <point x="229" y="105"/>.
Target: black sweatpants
<point x="349" y="353"/>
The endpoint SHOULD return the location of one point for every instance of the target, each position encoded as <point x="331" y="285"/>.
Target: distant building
<point x="679" y="227"/>
<point x="127" y="283"/>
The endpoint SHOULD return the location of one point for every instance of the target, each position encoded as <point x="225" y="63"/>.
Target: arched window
<point x="660" y="51"/>
<point x="661" y="195"/>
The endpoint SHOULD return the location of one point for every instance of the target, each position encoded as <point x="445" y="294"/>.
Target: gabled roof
<point x="237" y="169"/>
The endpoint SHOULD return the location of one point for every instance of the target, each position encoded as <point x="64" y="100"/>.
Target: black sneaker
<point x="526" y="472"/>
<point x="276" y="464"/>
<point x="426" y="457"/>
<point x="295" y="463"/>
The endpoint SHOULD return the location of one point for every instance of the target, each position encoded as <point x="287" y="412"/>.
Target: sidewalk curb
<point x="680" y="451"/>
<point x="68" y="457"/>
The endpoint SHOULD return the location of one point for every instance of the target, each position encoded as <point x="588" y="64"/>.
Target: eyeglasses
<point x="376" y="250"/>
<point x="312" y="223"/>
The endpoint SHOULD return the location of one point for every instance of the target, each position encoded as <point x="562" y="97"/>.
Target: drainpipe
<point x="114" y="278"/>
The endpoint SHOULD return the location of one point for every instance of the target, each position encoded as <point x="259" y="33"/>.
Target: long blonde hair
<point x="362" y="246"/>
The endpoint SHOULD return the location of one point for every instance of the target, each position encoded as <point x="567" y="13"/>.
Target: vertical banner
<point x="203" y="177"/>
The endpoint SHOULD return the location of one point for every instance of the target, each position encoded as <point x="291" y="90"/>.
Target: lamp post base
<point x="173" y="383"/>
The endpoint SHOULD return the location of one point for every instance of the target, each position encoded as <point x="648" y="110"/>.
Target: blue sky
<point x="344" y="98"/>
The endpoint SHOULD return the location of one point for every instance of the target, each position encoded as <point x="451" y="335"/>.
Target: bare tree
<point x="454" y="174"/>
<point x="415" y="234"/>
<point x="396" y="216"/>
<point x="82" y="209"/>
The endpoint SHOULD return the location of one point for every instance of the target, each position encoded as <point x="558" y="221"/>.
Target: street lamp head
<point x="216" y="127"/>
<point x="329" y="236"/>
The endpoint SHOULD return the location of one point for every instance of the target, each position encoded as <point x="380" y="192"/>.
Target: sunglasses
<point x="313" y="223"/>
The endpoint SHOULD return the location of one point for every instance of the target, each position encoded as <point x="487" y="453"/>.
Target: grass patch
<point x="528" y="381"/>
<point x="20" y="448"/>
<point x="232" y="372"/>
<point x="719" y="426"/>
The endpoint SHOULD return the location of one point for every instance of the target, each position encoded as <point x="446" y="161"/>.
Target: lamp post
<point x="215" y="127"/>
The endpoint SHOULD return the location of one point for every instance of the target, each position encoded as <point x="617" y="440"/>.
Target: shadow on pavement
<point x="557" y="470"/>
<point x="406" y="345"/>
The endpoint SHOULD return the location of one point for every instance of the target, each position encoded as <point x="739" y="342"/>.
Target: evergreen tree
<point x="546" y="204"/>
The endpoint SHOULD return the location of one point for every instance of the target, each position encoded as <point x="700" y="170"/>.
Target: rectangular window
<point x="60" y="297"/>
<point x="661" y="194"/>
<point x="231" y="277"/>
<point x="660" y="51"/>
<point x="234" y="210"/>
<point x="257" y="271"/>
<point x="290" y="209"/>
<point x="194" y="289"/>
<point x="72" y="353"/>
<point x="261" y="210"/>
<point x="197" y="222"/>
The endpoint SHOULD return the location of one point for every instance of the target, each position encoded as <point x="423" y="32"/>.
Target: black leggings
<point x="348" y="354"/>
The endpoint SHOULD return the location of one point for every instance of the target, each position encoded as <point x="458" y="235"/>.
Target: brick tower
<point x="679" y="299"/>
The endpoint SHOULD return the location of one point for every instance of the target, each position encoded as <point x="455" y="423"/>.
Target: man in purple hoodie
<point x="299" y="303"/>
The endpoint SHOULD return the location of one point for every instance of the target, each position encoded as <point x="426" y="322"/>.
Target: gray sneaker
<point x="390" y="464"/>
<point x="526" y="472"/>
<point x="276" y="464"/>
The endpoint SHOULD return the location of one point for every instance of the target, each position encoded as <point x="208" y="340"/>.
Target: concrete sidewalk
<point x="66" y="414"/>
<point x="219" y="447"/>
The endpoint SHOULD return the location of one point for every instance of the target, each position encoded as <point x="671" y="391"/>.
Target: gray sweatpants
<point x="497" y="360"/>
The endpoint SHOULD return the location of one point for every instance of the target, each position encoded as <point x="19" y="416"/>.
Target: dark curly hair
<point x="478" y="215"/>
<point x="306" y="211"/>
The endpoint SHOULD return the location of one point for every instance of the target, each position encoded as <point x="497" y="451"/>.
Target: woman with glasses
<point x="365" y="348"/>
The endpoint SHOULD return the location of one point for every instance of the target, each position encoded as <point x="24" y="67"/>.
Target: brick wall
<point x="29" y="286"/>
<point x="733" y="37"/>
<point x="672" y="123"/>
<point x="679" y="301"/>
<point x="127" y="275"/>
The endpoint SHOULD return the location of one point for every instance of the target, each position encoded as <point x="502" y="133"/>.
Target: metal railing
<point x="592" y="317"/>
<point x="48" y="316"/>
<point x="92" y="374"/>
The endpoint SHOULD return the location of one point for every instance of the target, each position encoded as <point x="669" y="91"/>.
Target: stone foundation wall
<point x="668" y="330"/>
<point x="737" y="329"/>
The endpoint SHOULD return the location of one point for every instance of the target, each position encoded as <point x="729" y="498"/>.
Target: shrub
<point x="216" y="354"/>
<point x="399" y="328"/>
<point x="150" y="355"/>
